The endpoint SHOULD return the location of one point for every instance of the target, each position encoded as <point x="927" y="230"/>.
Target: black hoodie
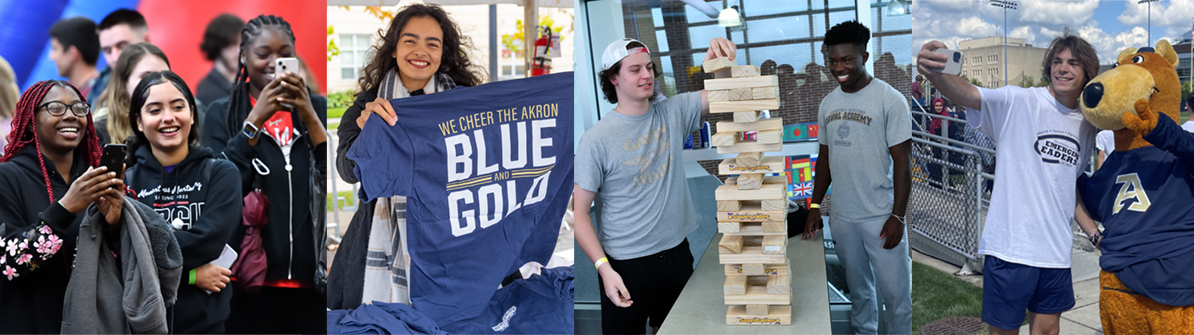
<point x="211" y="208"/>
<point x="31" y="301"/>
<point x="295" y="235"/>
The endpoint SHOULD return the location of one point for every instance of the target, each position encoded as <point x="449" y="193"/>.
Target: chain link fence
<point x="952" y="177"/>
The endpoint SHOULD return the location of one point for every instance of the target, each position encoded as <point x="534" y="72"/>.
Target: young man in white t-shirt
<point x="632" y="158"/>
<point x="1044" y="143"/>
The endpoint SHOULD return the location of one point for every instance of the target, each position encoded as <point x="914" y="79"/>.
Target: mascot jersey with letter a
<point x="1143" y="195"/>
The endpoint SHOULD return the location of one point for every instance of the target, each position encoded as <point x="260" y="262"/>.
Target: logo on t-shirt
<point x="1057" y="149"/>
<point x="483" y="188"/>
<point x="656" y="145"/>
<point x="1132" y="190"/>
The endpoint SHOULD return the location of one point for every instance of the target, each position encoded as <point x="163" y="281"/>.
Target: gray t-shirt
<point x="859" y="129"/>
<point x="634" y="163"/>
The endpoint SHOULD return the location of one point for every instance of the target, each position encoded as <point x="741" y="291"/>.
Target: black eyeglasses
<point x="58" y="108"/>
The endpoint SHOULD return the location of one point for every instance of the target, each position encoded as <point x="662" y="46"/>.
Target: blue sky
<point x="1109" y="25"/>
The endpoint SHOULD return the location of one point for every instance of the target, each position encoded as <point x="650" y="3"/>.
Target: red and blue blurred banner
<point x="176" y="26"/>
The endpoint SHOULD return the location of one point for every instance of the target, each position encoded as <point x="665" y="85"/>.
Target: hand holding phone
<point x="953" y="61"/>
<point x="113" y="159"/>
<point x="286" y="64"/>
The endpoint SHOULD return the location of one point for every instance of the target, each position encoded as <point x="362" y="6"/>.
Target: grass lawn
<point x="347" y="196"/>
<point x="335" y="113"/>
<point x="333" y="126"/>
<point x="937" y="295"/>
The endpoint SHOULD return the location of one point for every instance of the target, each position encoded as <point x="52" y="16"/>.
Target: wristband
<point x="1094" y="238"/>
<point x="191" y="281"/>
<point x="603" y="260"/>
<point x="814" y="206"/>
<point x="902" y="219"/>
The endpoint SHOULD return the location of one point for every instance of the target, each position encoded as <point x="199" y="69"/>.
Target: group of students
<point x="191" y="166"/>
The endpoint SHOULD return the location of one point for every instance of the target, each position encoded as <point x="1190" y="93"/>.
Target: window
<point x="353" y="48"/>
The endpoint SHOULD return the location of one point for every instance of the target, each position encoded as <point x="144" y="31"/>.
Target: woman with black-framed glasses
<point x="46" y="180"/>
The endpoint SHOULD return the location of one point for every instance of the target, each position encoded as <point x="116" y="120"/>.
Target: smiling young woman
<point x="46" y="180"/>
<point x="165" y="155"/>
<point x="422" y="52"/>
<point x="272" y="128"/>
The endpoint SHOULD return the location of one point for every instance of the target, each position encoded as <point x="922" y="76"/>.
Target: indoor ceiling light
<point x="729" y="18"/>
<point x="897" y="8"/>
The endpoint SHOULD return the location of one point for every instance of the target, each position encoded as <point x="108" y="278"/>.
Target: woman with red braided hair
<point x="46" y="179"/>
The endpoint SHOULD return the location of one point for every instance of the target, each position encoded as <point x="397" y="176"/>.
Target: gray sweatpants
<point x="861" y="253"/>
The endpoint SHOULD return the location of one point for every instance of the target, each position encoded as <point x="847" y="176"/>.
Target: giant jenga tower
<point x="751" y="209"/>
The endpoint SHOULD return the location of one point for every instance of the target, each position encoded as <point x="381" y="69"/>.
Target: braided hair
<point x="238" y="102"/>
<point x="24" y="129"/>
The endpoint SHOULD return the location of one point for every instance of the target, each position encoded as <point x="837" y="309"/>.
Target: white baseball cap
<point x="617" y="50"/>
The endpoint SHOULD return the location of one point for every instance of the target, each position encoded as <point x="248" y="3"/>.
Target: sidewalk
<point x="1084" y="317"/>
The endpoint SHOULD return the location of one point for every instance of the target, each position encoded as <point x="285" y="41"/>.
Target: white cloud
<point x="976" y="27"/>
<point x="1173" y="12"/>
<point x="1026" y="33"/>
<point x="1072" y="13"/>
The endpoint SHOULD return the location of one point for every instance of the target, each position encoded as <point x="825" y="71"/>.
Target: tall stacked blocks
<point x="751" y="208"/>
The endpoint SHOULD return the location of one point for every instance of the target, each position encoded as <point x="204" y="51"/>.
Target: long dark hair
<point x="141" y="93"/>
<point x="455" y="62"/>
<point x="116" y="97"/>
<point x="24" y="129"/>
<point x="238" y="102"/>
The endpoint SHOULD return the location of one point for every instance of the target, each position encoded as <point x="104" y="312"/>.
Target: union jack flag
<point x="801" y="190"/>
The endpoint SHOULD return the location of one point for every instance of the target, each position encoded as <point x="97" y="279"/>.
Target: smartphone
<point x="281" y="65"/>
<point x="953" y="62"/>
<point x="113" y="158"/>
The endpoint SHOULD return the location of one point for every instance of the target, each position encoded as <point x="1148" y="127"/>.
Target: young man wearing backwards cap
<point x="631" y="157"/>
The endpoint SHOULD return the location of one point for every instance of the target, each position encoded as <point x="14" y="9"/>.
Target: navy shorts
<point x="1010" y="288"/>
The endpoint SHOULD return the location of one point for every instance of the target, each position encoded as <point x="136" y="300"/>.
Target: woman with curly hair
<point x="421" y="52"/>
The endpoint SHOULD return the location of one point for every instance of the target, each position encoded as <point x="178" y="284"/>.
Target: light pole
<point x="1008" y="4"/>
<point x="1150" y="17"/>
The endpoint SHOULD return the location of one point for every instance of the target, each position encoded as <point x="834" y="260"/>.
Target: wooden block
<point x="765" y="192"/>
<point x="730" y="244"/>
<point x="772" y="205"/>
<point x="740" y="94"/>
<point x="775" y="244"/>
<point x="776" y="315"/>
<point x="745" y="117"/>
<point x="756" y="309"/>
<point x="729" y="227"/>
<point x="718" y="95"/>
<point x="736" y="285"/>
<point x="724" y="139"/>
<point x="758" y="269"/>
<point x="746" y="229"/>
<point x="750" y="181"/>
<point x="751" y="255"/>
<point x="751" y="82"/>
<point x="772" y="164"/>
<point x="750" y="159"/>
<point x="753" y="269"/>
<point x="779" y="285"/>
<point x="758" y="295"/>
<point x="743" y="106"/>
<point x="776" y="180"/>
<point x="728" y="206"/>
<point x="750" y="146"/>
<point x="741" y="71"/>
<point x="752" y="214"/>
<point x="775" y="226"/>
<point x="770" y="137"/>
<point x="764" y="92"/>
<point x="718" y="64"/>
<point x="774" y="123"/>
